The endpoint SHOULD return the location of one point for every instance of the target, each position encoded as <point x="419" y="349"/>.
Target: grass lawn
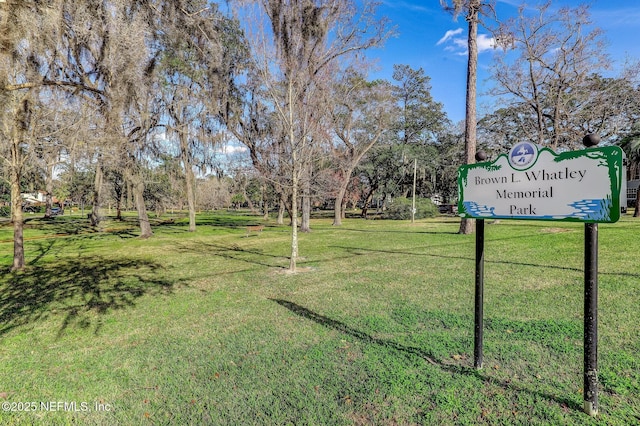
<point x="376" y="328"/>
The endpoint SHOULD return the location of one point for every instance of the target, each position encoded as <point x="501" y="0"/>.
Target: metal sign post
<point x="591" y="306"/>
<point x="479" y="297"/>
<point x="591" y="318"/>
<point x="479" y="294"/>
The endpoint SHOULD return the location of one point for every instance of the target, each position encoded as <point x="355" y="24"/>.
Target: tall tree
<point x="420" y="123"/>
<point x="202" y="50"/>
<point x="106" y="49"/>
<point x="254" y="124"/>
<point x="559" y="52"/>
<point x="362" y="114"/>
<point x="378" y="172"/>
<point x="606" y="106"/>
<point x="472" y="10"/>
<point x="420" y="117"/>
<point x="30" y="60"/>
<point x="58" y="126"/>
<point x="295" y="48"/>
<point x="136" y="146"/>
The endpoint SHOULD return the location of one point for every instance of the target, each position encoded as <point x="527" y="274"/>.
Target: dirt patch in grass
<point x="299" y="270"/>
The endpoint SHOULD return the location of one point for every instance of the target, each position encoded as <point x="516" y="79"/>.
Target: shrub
<point x="400" y="209"/>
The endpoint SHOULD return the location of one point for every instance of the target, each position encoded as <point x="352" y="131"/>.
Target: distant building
<point x="633" y="182"/>
<point x="34" y="197"/>
<point x="632" y="192"/>
<point x="39" y="197"/>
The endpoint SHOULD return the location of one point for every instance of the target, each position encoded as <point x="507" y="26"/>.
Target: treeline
<point x="131" y="102"/>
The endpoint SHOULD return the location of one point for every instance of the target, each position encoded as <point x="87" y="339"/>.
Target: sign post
<point x="538" y="184"/>
<point x="591" y="318"/>
<point x="590" y="337"/>
<point x="479" y="296"/>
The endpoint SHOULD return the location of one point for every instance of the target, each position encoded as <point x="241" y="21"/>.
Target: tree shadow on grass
<point x="44" y="247"/>
<point x="80" y="290"/>
<point x="229" y="222"/>
<point x="360" y="251"/>
<point x="233" y="252"/>
<point x="57" y="225"/>
<point x="423" y="353"/>
<point x="400" y="231"/>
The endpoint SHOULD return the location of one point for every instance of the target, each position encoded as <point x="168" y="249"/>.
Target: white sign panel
<point x="532" y="183"/>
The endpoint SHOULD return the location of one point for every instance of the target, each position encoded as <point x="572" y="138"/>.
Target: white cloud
<point x="458" y="45"/>
<point x="448" y="35"/>
<point x="485" y="43"/>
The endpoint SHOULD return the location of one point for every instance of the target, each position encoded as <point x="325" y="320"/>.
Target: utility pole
<point x="413" y="206"/>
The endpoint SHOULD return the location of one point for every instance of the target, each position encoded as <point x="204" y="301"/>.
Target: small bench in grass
<point x="254" y="228"/>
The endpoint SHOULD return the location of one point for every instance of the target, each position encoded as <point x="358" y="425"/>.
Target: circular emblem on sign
<point x="523" y="155"/>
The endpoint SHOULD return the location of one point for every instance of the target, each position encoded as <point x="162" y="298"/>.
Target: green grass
<point x="376" y="328"/>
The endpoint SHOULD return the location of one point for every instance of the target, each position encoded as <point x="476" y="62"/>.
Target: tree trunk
<point x="367" y="201"/>
<point x="636" y="212"/>
<point x="281" y="208"/>
<point x="467" y="225"/>
<point x="305" y="226"/>
<point x="365" y="206"/>
<point x="49" y="188"/>
<point x="119" y="202"/>
<point x="294" y="213"/>
<point x="294" y="180"/>
<point x="265" y="203"/>
<point x="97" y="191"/>
<point x="138" y="197"/>
<point x="337" y="208"/>
<point x="129" y="196"/>
<point x="252" y="208"/>
<point x="190" y="180"/>
<point x="191" y="197"/>
<point x="16" y="217"/>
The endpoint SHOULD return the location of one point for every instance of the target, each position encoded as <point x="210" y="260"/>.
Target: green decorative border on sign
<point x="609" y="208"/>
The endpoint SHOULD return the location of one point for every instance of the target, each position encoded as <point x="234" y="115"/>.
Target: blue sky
<point x="429" y="38"/>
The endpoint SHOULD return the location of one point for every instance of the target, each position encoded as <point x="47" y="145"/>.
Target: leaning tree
<point x="362" y="113"/>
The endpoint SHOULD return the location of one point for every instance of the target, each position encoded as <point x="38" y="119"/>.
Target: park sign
<point x="536" y="183"/>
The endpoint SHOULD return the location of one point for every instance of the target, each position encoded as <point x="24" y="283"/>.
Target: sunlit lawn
<point x="376" y="328"/>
